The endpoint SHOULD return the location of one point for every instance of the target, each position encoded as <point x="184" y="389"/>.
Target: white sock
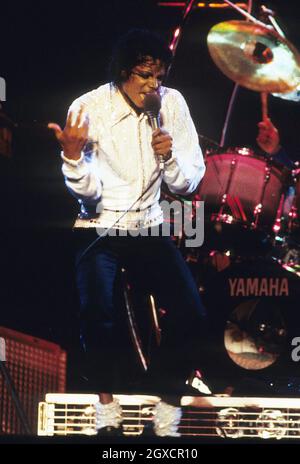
<point x="108" y="415"/>
<point x="166" y="420"/>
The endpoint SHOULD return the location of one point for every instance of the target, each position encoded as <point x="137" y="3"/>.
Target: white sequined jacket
<point x="118" y="162"/>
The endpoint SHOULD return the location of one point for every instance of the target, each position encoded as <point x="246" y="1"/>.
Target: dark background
<point x="52" y="52"/>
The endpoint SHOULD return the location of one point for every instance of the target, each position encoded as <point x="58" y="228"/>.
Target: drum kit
<point x="248" y="267"/>
<point x="246" y="194"/>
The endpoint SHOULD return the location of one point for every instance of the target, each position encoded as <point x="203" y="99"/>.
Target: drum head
<point x="252" y="307"/>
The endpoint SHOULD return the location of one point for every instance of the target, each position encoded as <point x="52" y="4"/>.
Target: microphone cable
<point x="84" y="253"/>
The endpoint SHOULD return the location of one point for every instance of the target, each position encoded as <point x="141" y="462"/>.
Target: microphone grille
<point x="152" y="103"/>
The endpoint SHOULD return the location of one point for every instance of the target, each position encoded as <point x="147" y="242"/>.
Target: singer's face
<point x="144" y="78"/>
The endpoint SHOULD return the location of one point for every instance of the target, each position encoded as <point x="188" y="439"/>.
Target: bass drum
<point x="242" y="188"/>
<point x="252" y="307"/>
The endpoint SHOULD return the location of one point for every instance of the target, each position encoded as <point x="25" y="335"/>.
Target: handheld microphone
<point x="152" y="105"/>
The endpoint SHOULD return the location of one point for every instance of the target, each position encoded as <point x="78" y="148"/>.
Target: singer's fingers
<point x="157" y="132"/>
<point x="162" y="148"/>
<point x="85" y="121"/>
<point x="56" y="128"/>
<point x="80" y="118"/>
<point x="74" y="117"/>
<point x="70" y="119"/>
<point x="161" y="138"/>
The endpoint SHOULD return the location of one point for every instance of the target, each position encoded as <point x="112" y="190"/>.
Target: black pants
<point x="155" y="265"/>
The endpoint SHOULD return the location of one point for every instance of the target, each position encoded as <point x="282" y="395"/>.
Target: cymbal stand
<point x="178" y="31"/>
<point x="269" y="14"/>
<point x="236" y="86"/>
<point x="274" y="25"/>
<point x="247" y="14"/>
<point x="225" y="195"/>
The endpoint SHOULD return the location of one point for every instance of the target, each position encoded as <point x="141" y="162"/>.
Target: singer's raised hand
<point x="75" y="134"/>
<point x="162" y="143"/>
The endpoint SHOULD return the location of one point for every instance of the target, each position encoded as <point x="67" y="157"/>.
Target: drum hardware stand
<point x="293" y="213"/>
<point x="154" y="317"/>
<point x="132" y="322"/>
<point x="278" y="221"/>
<point x="178" y="31"/>
<point x="258" y="209"/>
<point x="292" y="217"/>
<point x="270" y="15"/>
<point x="265" y="116"/>
<point x="133" y="326"/>
<point x="266" y="14"/>
<point x="225" y="196"/>
<point x="236" y="86"/>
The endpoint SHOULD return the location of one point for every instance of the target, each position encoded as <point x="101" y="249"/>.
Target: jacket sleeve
<point x="186" y="168"/>
<point x="82" y="176"/>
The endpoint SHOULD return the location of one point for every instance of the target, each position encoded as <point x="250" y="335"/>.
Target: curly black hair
<point x="132" y="49"/>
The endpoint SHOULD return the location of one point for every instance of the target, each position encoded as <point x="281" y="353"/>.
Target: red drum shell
<point x="249" y="180"/>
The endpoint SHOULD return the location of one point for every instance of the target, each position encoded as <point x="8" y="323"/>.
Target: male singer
<point x="111" y="159"/>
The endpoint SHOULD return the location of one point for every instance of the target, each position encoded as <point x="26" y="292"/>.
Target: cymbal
<point x="254" y="56"/>
<point x="291" y="96"/>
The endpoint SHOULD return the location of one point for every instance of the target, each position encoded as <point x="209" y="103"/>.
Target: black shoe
<point x="110" y="431"/>
<point x="200" y="386"/>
